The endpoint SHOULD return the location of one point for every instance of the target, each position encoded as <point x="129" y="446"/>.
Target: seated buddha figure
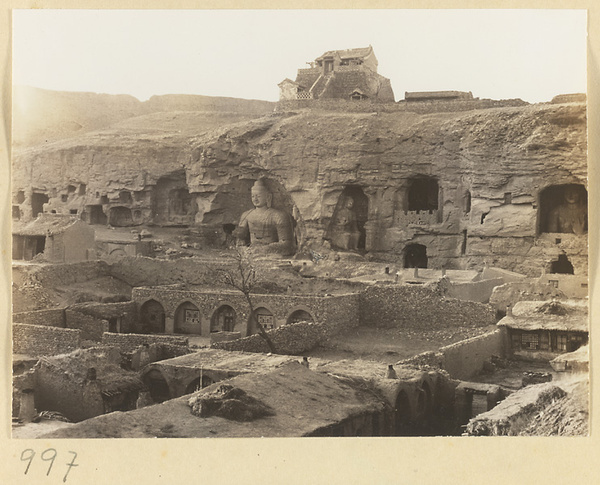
<point x="571" y="215"/>
<point x="344" y="231"/>
<point x="264" y="228"/>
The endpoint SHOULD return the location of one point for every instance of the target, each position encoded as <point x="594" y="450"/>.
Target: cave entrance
<point x="423" y="193"/>
<point x="37" y="203"/>
<point x="562" y="265"/>
<point x="172" y="202"/>
<point x="415" y="256"/>
<point x="563" y="209"/>
<point x="120" y="216"/>
<point x="354" y="201"/>
<point x="97" y="215"/>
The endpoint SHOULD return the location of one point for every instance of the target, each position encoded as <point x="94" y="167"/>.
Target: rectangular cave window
<point x="82" y="189"/>
<point x="507" y="198"/>
<point x="530" y="341"/>
<point x="266" y="321"/>
<point x="16" y="212"/>
<point x="553" y="283"/>
<point x="73" y="211"/>
<point x="192" y="316"/>
<point x="64" y="197"/>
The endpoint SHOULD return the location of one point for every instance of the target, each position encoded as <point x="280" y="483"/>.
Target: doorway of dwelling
<point x="415" y="256"/>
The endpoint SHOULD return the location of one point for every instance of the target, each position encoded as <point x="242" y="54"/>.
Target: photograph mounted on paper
<point x="353" y="230"/>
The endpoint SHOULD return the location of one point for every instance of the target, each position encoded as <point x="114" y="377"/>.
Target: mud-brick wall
<point x="290" y="339"/>
<point x="127" y="342"/>
<point x="54" y="317"/>
<point x="91" y="328"/>
<point x="420" y="307"/>
<point x="464" y="359"/>
<point x="37" y="340"/>
<point x="70" y="273"/>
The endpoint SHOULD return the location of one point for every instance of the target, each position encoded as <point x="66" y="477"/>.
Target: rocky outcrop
<point x="467" y="186"/>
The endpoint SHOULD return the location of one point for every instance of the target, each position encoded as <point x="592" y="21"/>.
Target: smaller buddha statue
<point x="344" y="233"/>
<point x="571" y="215"/>
<point x="264" y="228"/>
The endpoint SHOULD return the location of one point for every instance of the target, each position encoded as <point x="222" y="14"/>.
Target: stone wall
<point x="338" y="312"/>
<point x="54" y="317"/>
<point x="38" y="340"/>
<point x="126" y="312"/>
<point x="290" y="339"/>
<point x="128" y="342"/>
<point x="91" y="328"/>
<point x="369" y="106"/>
<point x="420" y="307"/>
<point x="474" y="290"/>
<point x="464" y="359"/>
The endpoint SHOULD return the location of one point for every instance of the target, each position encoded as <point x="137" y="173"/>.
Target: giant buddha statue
<point x="264" y="228"/>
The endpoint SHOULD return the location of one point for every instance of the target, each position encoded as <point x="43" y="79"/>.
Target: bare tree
<point x="243" y="278"/>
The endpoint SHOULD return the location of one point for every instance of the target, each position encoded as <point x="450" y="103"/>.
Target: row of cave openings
<point x="188" y="319"/>
<point x="169" y="200"/>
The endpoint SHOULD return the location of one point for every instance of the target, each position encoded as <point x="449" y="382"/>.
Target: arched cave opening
<point x="415" y="256"/>
<point x="563" y="209"/>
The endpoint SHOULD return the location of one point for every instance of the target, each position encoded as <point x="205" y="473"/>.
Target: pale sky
<point x="499" y="54"/>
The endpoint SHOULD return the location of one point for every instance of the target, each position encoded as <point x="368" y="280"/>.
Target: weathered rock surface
<point x="489" y="168"/>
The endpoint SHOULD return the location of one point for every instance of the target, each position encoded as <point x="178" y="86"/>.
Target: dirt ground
<point x="390" y="345"/>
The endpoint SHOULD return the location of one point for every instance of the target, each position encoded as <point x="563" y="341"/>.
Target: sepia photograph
<point x="363" y="228"/>
<point x="371" y="231"/>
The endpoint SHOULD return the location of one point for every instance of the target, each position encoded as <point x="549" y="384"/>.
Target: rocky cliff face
<point x="453" y="189"/>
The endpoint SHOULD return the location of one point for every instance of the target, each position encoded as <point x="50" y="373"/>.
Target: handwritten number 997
<point x="47" y="455"/>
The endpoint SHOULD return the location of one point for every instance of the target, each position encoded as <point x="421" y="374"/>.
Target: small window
<point x="554" y="283"/>
<point x="64" y="197"/>
<point x="266" y="321"/>
<point x="73" y="211"/>
<point x="561" y="342"/>
<point x="192" y="316"/>
<point x="507" y="198"/>
<point x="530" y="341"/>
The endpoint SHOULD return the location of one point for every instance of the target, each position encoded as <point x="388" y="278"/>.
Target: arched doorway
<point x="415" y="256"/>
<point x="152" y="316"/>
<point x="157" y="385"/>
<point x="188" y="319"/>
<point x="223" y="320"/>
<point x="300" y="316"/>
<point x="402" y="414"/>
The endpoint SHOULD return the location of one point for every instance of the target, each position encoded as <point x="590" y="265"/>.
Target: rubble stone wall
<point x="126" y="311"/>
<point x="91" y="328"/>
<point x="290" y="339"/>
<point x="338" y="312"/>
<point x="474" y="291"/>
<point x="420" y="307"/>
<point x="37" y="340"/>
<point x="54" y="317"/>
<point x="127" y="342"/>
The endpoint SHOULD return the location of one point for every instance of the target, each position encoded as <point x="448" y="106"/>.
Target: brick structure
<point x="59" y="238"/>
<point x="167" y="310"/>
<point x="349" y="74"/>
